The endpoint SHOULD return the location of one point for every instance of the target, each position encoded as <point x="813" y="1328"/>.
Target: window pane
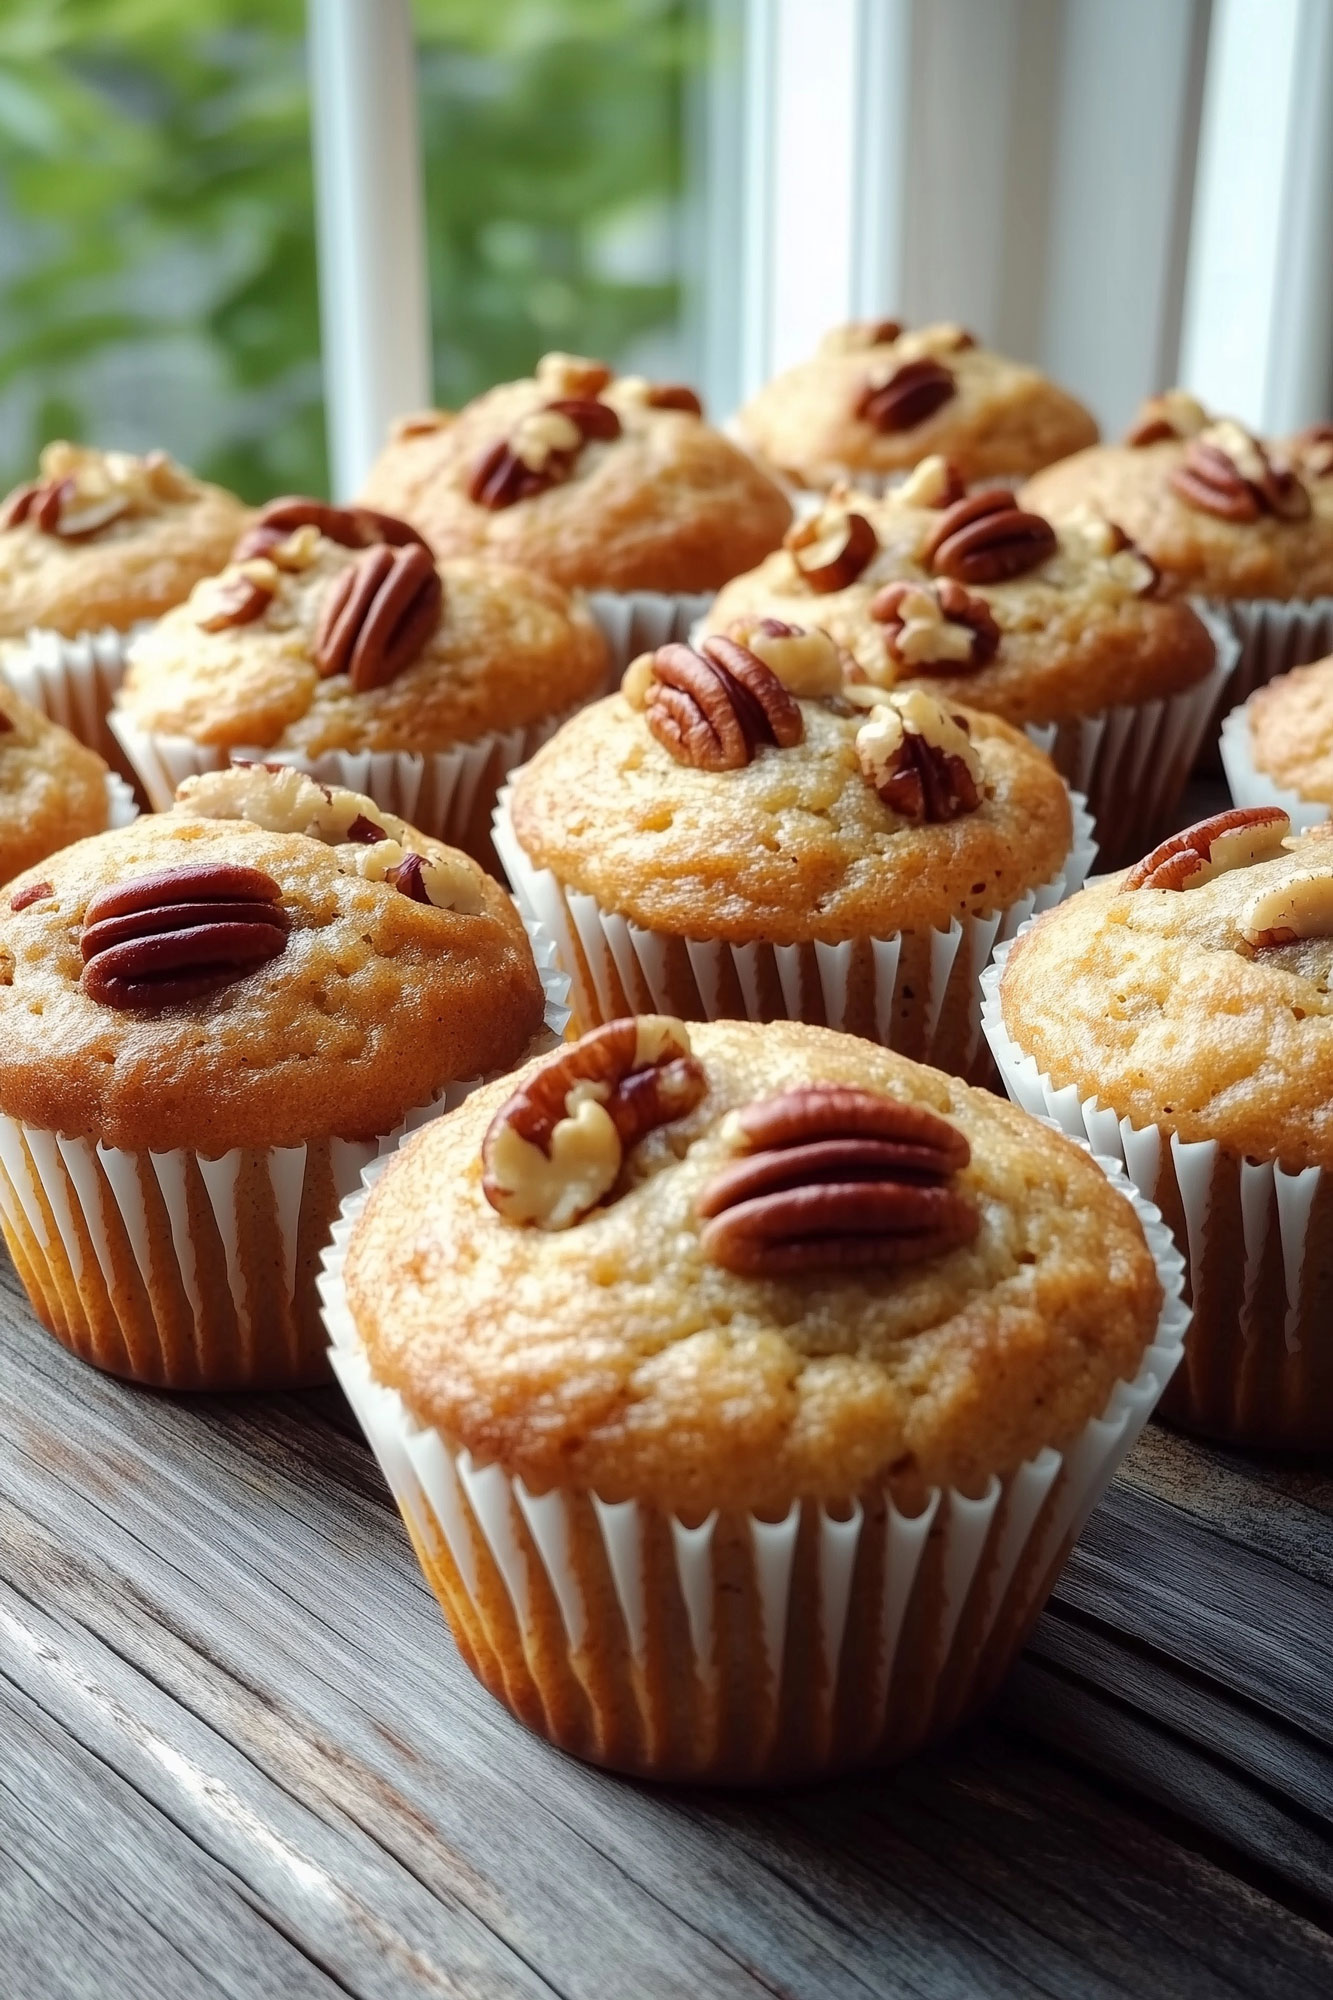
<point x="556" y="182"/>
<point x="157" y="273"/>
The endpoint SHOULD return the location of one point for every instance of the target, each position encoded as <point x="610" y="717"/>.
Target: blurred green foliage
<point x="156" y="212"/>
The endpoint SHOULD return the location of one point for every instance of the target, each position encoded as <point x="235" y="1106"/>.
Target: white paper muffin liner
<point x="1258" y="1243"/>
<point x="73" y="681"/>
<point x="1250" y="786"/>
<point x="449" y="794"/>
<point x="1274" y="635"/>
<point x="187" y="1272"/>
<point x="121" y="805"/>
<point x="639" y="621"/>
<point x="613" y="1628"/>
<point x="916" y="992"/>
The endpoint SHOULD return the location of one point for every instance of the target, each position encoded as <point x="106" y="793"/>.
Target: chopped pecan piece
<point x="238" y="597"/>
<point x="378" y="615"/>
<point x="988" y="538"/>
<point x="1228" y="473"/>
<point x="541" y="451"/>
<point x="919" y="758"/>
<point x="54" y="507"/>
<point x="1299" y="908"/>
<point x="572" y="375"/>
<point x="911" y="394"/>
<point x="856" y="334"/>
<point x="718" y="706"/>
<point x="832" y="548"/>
<point x="1313" y="451"/>
<point x="933" y="482"/>
<point x="935" y="626"/>
<point x="352" y="527"/>
<point x="555" y="1149"/>
<point x="176" y="935"/>
<point x="805" y="660"/>
<point x="835" y="1177"/>
<point x="673" y="396"/>
<point x="34" y="893"/>
<point x="1233" y="839"/>
<point x="1172" y="415"/>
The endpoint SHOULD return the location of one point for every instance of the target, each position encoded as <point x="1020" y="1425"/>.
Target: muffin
<point x="1223" y="514"/>
<point x="602" y="482"/>
<point x="208" y="1021"/>
<point x="52" y="788"/>
<point x="878" y="397"/>
<point x="744" y="1388"/>
<point x="1277" y="748"/>
<point x="732" y="835"/>
<point x="1062" y="631"/>
<point x="99" y="541"/>
<point x="1180" y="1015"/>
<point x="368" y="665"/>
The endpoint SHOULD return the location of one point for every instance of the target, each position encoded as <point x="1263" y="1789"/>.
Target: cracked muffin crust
<point x="598" y="481"/>
<point x="1081" y="629"/>
<point x="52" y="789"/>
<point x="616" y="1356"/>
<point x="107" y="538"/>
<point x="254" y="658"/>
<point x="878" y="397"/>
<point x="383" y="984"/>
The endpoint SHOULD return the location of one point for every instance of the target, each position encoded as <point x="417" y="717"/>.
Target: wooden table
<point x="238" y="1755"/>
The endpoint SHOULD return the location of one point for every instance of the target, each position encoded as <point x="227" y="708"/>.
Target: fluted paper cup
<point x="1250" y="786"/>
<point x="449" y="794"/>
<point x="122" y="808"/>
<point x="73" y="681"/>
<point x="1273" y="635"/>
<point x="1258" y="1245"/>
<point x="736" y="1649"/>
<point x="1132" y="762"/>
<point x="185" y="1272"/>
<point x="639" y="621"/>
<point x="915" y="991"/>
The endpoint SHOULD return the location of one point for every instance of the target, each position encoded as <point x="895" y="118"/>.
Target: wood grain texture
<point x="241" y="1758"/>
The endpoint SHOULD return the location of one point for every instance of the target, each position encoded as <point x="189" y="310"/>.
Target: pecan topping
<point x="352" y="527"/>
<point x="555" y="1149"/>
<point x="378" y="615"/>
<point x="53" y="506"/>
<point x="34" y="893"/>
<point x="935" y="626"/>
<point x="1227" y="472"/>
<point x="919" y="758"/>
<point x="987" y="538"/>
<point x="834" y="1176"/>
<point x="673" y="396"/>
<point x="1299" y="908"/>
<point x="1313" y="451"/>
<point x="831" y="549"/>
<point x="1172" y="415"/>
<point x="806" y="661"/>
<point x="856" y="334"/>
<point x="933" y="482"/>
<point x="910" y="395"/>
<point x="541" y="451"/>
<point x="1233" y="839"/>
<point x="238" y="597"/>
<point x="717" y="707"/>
<point x="572" y="375"/>
<point x="166" y="938"/>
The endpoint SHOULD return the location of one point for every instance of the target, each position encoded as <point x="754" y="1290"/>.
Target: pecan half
<point x="1228" y="473"/>
<point x="541" y="451"/>
<point x="919" y="759"/>
<point x="832" y="547"/>
<point x="1233" y="839"/>
<point x="988" y="538"/>
<point x="718" y="706"/>
<point x="378" y="615"/>
<point x="174" y="936"/>
<point x="936" y="626"/>
<point x="837" y="1177"/>
<point x="555" y="1149"/>
<point x="352" y="527"/>
<point x="910" y="395"/>
<point x="53" y="506"/>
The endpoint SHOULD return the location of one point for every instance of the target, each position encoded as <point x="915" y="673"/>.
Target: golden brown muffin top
<point x="266" y="654"/>
<point x="601" y="481"/>
<point x="52" y="789"/>
<point x="618" y="1354"/>
<point x="1215" y="507"/>
<point x="1080" y="628"/>
<point x="345" y="967"/>
<point x="105" y="538"/>
<point x="1291" y="730"/>
<point x="832" y="832"/>
<point x="1204" y="1009"/>
<point x="878" y="397"/>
